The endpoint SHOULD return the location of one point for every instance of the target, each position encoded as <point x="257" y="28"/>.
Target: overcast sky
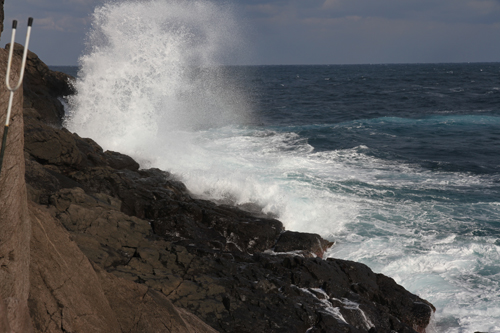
<point x="303" y="31"/>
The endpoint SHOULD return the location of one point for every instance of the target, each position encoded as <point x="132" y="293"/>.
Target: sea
<point x="399" y="164"/>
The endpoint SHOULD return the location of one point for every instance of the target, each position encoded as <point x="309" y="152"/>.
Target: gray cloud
<point x="308" y="31"/>
<point x="366" y="31"/>
<point x="59" y="27"/>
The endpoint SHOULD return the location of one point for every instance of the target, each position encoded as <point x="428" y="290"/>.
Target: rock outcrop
<point x="145" y="236"/>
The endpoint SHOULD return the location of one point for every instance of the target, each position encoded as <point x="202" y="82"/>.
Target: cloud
<point x="264" y="9"/>
<point x="64" y="23"/>
<point x="323" y="31"/>
<point x="472" y="11"/>
<point x="385" y="31"/>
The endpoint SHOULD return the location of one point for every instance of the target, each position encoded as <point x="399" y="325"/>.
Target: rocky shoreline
<point x="116" y="248"/>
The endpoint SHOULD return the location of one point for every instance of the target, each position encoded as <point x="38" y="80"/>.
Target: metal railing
<point x="12" y="89"/>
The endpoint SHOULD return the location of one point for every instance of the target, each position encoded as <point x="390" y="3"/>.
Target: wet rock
<point x="305" y="243"/>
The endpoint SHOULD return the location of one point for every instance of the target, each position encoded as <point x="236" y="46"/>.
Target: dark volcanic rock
<point x="236" y="271"/>
<point x="51" y="145"/>
<point x="120" y="161"/>
<point x="232" y="290"/>
<point x="303" y="243"/>
<point x="69" y="293"/>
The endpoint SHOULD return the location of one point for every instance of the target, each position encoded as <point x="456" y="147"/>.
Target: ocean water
<point x="399" y="164"/>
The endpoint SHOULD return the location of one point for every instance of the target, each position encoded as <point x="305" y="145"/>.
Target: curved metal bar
<point x="19" y="82"/>
<point x="25" y="55"/>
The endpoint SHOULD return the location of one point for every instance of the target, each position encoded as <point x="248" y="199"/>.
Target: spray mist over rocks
<point x="151" y="86"/>
<point x="153" y="67"/>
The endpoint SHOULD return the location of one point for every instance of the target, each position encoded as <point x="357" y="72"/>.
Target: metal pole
<point x="19" y="82"/>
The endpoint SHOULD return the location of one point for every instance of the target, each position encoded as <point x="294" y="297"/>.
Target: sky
<point x="302" y="31"/>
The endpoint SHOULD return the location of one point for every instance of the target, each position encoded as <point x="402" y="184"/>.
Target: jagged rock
<point x="231" y="289"/>
<point x="51" y="145"/>
<point x="303" y="243"/>
<point x="153" y="194"/>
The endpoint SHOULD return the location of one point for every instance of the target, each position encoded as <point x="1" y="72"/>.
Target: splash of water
<point x="150" y="86"/>
<point x="152" y="68"/>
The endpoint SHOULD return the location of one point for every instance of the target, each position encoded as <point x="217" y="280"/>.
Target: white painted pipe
<point x="19" y="82"/>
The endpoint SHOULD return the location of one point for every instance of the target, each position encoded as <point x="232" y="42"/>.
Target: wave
<point x="153" y="67"/>
<point x="150" y="86"/>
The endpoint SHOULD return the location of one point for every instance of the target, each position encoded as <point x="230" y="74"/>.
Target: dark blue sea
<point x="398" y="164"/>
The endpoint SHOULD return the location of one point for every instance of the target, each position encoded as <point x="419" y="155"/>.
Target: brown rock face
<point x="65" y="295"/>
<point x="161" y="314"/>
<point x="14" y="220"/>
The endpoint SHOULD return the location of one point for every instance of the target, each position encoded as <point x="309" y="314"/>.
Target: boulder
<point x="302" y="243"/>
<point x="120" y="161"/>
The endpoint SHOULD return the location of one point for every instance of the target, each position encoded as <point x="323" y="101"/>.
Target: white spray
<point x="153" y="67"/>
<point x="151" y="86"/>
